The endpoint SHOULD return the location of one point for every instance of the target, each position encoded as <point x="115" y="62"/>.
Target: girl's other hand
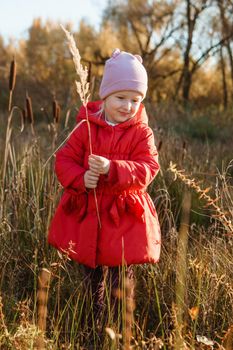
<point x="91" y="179"/>
<point x="98" y="164"/>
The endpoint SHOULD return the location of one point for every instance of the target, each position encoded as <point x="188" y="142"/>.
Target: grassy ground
<point x="184" y="302"/>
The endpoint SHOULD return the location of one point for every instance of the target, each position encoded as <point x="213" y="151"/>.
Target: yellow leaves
<point x="194" y="312"/>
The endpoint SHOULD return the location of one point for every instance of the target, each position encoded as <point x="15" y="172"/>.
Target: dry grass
<point x="206" y="302"/>
<point x="185" y="301"/>
<point x="209" y="260"/>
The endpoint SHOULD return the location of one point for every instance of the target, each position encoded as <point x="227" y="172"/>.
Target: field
<point x="184" y="302"/>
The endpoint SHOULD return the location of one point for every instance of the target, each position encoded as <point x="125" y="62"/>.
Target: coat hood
<point x="94" y="107"/>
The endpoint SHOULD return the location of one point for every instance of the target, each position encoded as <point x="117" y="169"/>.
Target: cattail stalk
<point x="56" y="116"/>
<point x="128" y="315"/>
<point x="56" y="111"/>
<point x="89" y="71"/>
<point x="29" y="111"/>
<point x="42" y="298"/>
<point x="24" y="115"/>
<point x="42" y="301"/>
<point x="12" y="80"/>
<point x="92" y="85"/>
<point x="181" y="269"/>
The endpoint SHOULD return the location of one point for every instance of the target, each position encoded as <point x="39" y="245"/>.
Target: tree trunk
<point x="186" y="68"/>
<point x="186" y="87"/>
<point x="224" y="82"/>
<point x="231" y="66"/>
<point x="225" y="31"/>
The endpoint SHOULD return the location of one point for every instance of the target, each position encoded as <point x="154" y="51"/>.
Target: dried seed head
<point x="24" y="113"/>
<point x="89" y="71"/>
<point x="12" y="77"/>
<point x="82" y="86"/>
<point x="29" y="109"/>
<point x="159" y="145"/>
<point x="42" y="297"/>
<point x="56" y="111"/>
<point x="130" y="306"/>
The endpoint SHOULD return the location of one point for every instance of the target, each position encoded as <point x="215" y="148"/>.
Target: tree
<point x="47" y="71"/>
<point x="201" y="42"/>
<point x="146" y="28"/>
<point x="226" y="10"/>
<point x="6" y="55"/>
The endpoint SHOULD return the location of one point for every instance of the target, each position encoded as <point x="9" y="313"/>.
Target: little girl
<point x="123" y="163"/>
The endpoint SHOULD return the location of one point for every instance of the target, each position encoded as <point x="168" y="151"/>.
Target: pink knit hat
<point x="123" y="71"/>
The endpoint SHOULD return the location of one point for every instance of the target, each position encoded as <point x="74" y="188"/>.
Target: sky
<point x="16" y="16"/>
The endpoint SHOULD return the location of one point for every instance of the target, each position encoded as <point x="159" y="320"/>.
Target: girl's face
<point x="122" y="105"/>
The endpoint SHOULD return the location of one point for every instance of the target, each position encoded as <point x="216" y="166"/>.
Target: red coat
<point x="129" y="223"/>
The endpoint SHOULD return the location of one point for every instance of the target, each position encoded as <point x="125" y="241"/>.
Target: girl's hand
<point x="98" y="164"/>
<point x="91" y="179"/>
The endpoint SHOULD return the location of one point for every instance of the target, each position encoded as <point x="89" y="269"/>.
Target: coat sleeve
<point x="140" y="170"/>
<point x="69" y="162"/>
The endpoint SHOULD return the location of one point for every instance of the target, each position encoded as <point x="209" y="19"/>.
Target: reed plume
<point x="82" y="72"/>
<point x="82" y="87"/>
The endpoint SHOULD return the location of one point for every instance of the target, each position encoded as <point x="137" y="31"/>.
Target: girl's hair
<point x="100" y="111"/>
